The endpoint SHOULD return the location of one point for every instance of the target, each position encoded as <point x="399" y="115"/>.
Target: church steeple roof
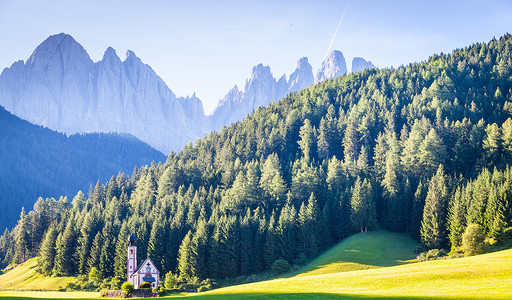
<point x="132" y="239"/>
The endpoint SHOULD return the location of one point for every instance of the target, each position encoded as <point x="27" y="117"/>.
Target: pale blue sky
<point x="208" y="46"/>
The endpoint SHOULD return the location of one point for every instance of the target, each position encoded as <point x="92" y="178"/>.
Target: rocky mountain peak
<point x="110" y="55"/>
<point x="359" y="64"/>
<point x="334" y="65"/>
<point x="61" y="47"/>
<point x="302" y="77"/>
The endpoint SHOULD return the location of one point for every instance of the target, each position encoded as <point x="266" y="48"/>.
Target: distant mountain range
<point x="61" y="88"/>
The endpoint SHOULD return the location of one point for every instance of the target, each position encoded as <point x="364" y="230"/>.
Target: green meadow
<point x="375" y="265"/>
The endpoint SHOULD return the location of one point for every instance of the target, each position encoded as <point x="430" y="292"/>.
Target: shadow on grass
<point x="279" y="296"/>
<point x="310" y="296"/>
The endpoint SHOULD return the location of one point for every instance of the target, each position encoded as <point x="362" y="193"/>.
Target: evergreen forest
<point x="423" y="149"/>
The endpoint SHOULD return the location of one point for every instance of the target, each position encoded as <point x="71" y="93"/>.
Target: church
<point x="145" y="272"/>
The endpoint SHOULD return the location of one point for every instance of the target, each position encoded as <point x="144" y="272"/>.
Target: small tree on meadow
<point x="473" y="239"/>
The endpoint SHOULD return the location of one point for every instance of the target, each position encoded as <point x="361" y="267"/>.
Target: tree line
<point x="422" y="149"/>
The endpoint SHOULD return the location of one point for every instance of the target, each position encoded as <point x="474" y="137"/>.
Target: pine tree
<point x="121" y="252"/>
<point x="364" y="214"/>
<point x="94" y="257"/>
<point x="184" y="256"/>
<point x="47" y="252"/>
<point x="432" y="152"/>
<point x="271" y="181"/>
<point x="433" y="225"/>
<point x="270" y="250"/>
<point x="457" y="218"/>
<point x="308" y="141"/>
<point x="495" y="213"/>
<point x="87" y="233"/>
<point x="64" y="260"/>
<point x="157" y="245"/>
<point x="22" y="239"/>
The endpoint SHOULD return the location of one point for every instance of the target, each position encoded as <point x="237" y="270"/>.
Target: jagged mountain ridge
<point x="261" y="89"/>
<point x="61" y="88"/>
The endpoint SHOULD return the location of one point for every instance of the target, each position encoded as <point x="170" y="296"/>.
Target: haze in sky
<point x="208" y="46"/>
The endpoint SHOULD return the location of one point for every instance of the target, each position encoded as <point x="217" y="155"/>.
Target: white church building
<point x="145" y="272"/>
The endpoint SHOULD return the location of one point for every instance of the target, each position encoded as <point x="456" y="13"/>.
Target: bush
<point x="506" y="237"/>
<point x="70" y="286"/>
<point x="473" y="239"/>
<point x="280" y="266"/>
<point x="115" y="283"/>
<point x="432" y="254"/>
<point x="203" y="288"/>
<point x="145" y="285"/>
<point x="171" y="280"/>
<point x="103" y="293"/>
<point x="94" y="275"/>
<point x="161" y="290"/>
<point x="127" y="287"/>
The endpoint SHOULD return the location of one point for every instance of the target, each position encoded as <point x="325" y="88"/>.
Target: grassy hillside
<point x="479" y="277"/>
<point x="363" y="251"/>
<point x="24" y="277"/>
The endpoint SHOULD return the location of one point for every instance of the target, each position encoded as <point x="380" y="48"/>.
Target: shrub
<point x="115" y="283"/>
<point x="506" y="236"/>
<point x="161" y="290"/>
<point x="280" y="266"/>
<point x="473" y="239"/>
<point x="145" y="285"/>
<point x="103" y="293"/>
<point x="432" y="254"/>
<point x="127" y="287"/>
<point x="203" y="288"/>
<point x="94" y="275"/>
<point x="171" y="280"/>
<point x="70" y="286"/>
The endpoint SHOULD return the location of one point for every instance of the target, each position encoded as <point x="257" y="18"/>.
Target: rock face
<point x="61" y="88"/>
<point x="261" y="89"/>
<point x="359" y="64"/>
<point x="334" y="65"/>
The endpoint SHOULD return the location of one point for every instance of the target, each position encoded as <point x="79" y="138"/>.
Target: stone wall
<point x="142" y="293"/>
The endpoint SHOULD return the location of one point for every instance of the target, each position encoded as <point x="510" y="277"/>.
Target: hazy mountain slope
<point x="38" y="162"/>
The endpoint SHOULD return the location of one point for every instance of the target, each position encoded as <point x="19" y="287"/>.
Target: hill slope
<point x="38" y="162"/>
<point x="24" y="277"/>
<point x="478" y="277"/>
<point x="363" y="251"/>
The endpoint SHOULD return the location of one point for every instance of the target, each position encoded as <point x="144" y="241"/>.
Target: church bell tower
<point x="132" y="257"/>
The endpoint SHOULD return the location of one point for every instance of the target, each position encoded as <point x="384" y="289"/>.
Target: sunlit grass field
<point x="363" y="251"/>
<point x="382" y="275"/>
<point x="25" y="277"/>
